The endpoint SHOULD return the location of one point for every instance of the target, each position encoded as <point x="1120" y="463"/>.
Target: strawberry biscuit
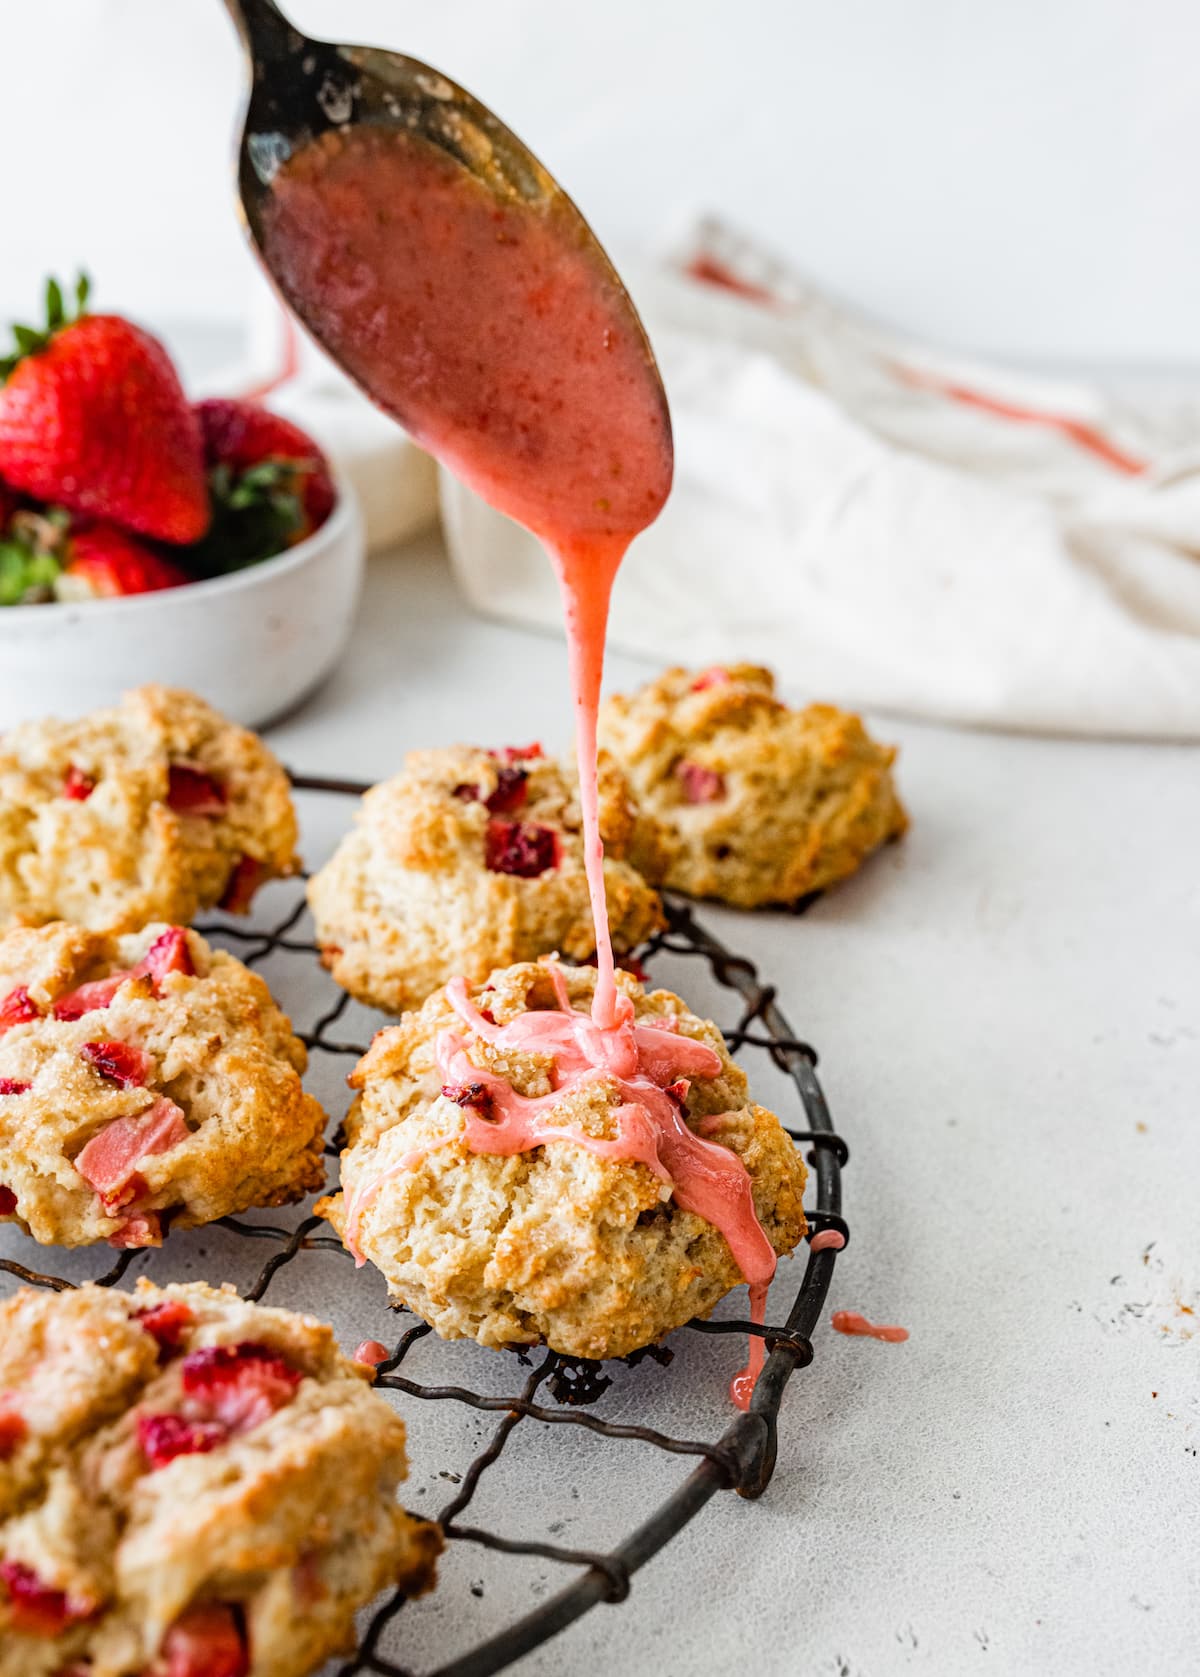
<point x="507" y="1199"/>
<point x="190" y="1486"/>
<point x="149" y="811"/>
<point x="744" y="799"/>
<point x="145" y="1080"/>
<point x="468" y="860"/>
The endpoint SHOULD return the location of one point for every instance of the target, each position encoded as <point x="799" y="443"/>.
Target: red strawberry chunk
<point x="12" y="1429"/>
<point x="191" y="790"/>
<point x="89" y="998"/>
<point x="163" y="1437"/>
<point x="475" y="1095"/>
<point x="207" y="1641"/>
<point x="520" y="753"/>
<point x="108" y="1160"/>
<point x="10" y="1086"/>
<point x="523" y="848"/>
<point x="511" y="791"/>
<point x="35" y="1607"/>
<point x="715" y="677"/>
<point x="168" y="953"/>
<point x="77" y="786"/>
<point x="131" y="1067"/>
<point x="244" y="881"/>
<point x="700" y="785"/>
<point x="167" y="1322"/>
<point x="143" y="1228"/>
<point x="16" y="1009"/>
<point x="8" y="1201"/>
<point x="238" y="1385"/>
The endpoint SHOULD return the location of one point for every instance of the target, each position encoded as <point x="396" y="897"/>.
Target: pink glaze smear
<point x="850" y="1322"/>
<point x="829" y="1240"/>
<point x="506" y="348"/>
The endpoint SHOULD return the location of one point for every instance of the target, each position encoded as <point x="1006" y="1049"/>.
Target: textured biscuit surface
<point x="588" y="1253"/>
<point x="744" y="799"/>
<point x="468" y="860"/>
<point x="149" y="811"/>
<point x="144" y="1080"/>
<point x="190" y="1485"/>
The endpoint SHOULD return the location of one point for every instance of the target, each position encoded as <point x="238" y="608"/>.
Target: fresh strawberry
<point x="167" y="1323"/>
<point x="238" y="1385"/>
<point x="17" y="1008"/>
<point x="208" y="1641"/>
<point x="119" y="1061"/>
<point x="101" y="562"/>
<point x="266" y="458"/>
<point x="93" y="417"/>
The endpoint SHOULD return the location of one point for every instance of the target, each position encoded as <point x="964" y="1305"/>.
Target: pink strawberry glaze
<point x="850" y="1322"/>
<point x="829" y="1240"/>
<point x="371" y="1353"/>
<point x="643" y="1060"/>
<point x="107" y="1162"/>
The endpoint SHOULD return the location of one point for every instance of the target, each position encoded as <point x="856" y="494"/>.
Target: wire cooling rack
<point x="558" y="1391"/>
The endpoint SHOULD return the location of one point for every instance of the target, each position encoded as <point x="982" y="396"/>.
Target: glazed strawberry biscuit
<point x="467" y="860"/>
<point x="190" y="1486"/>
<point x="518" y="1176"/>
<point x="744" y="799"/>
<point x="148" y="811"/>
<point x="144" y="1080"/>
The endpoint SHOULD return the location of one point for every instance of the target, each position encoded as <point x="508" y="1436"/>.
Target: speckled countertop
<point x="1007" y="1008"/>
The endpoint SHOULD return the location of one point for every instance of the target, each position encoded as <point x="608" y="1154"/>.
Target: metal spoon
<point x="301" y="88"/>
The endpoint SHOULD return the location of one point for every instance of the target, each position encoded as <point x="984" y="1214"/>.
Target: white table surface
<point x="1007" y="1009"/>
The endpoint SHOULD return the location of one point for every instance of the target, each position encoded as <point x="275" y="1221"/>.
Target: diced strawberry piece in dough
<point x="520" y="753"/>
<point x="90" y="998"/>
<point x="143" y="1228"/>
<point x="238" y="1385"/>
<point x="12" y="1429"/>
<point x="10" y="1086"/>
<point x="244" y="881"/>
<point x="191" y="790"/>
<point x="522" y="848"/>
<point x="17" y="1009"/>
<point x="511" y="791"/>
<point x="77" y="786"/>
<point x="35" y="1607"/>
<point x="700" y="785"/>
<point x="108" y="1160"/>
<point x="207" y="1641"/>
<point x="167" y="1322"/>
<point x="168" y="953"/>
<point x="8" y="1201"/>
<point x="121" y="1062"/>
<point x="163" y="1437"/>
<point x="716" y="677"/>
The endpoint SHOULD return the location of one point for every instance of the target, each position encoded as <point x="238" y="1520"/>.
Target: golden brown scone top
<point x="743" y="798"/>
<point x="150" y="810"/>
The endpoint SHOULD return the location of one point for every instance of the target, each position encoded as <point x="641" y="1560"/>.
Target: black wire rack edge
<point x="742" y="1459"/>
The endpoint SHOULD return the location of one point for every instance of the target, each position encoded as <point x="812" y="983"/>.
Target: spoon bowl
<point x="305" y="91"/>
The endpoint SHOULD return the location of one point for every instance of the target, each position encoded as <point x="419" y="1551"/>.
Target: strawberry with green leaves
<point x="93" y="418"/>
<point x="271" y="485"/>
<point x="45" y="556"/>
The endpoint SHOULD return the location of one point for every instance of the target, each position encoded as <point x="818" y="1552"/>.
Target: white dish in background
<point x="252" y="644"/>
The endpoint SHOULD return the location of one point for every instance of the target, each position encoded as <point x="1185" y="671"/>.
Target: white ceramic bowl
<point x="252" y="644"/>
